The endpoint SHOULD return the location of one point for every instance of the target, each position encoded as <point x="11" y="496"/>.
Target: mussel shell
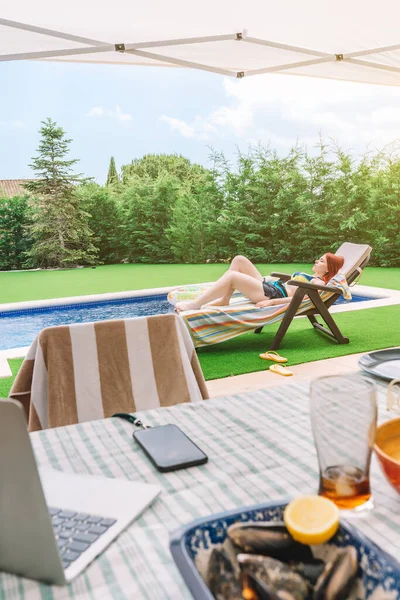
<point x="231" y="552"/>
<point x="222" y="577"/>
<point x="262" y="591"/>
<point x="338" y="576"/>
<point x="269" y="538"/>
<point x="278" y="576"/>
<point x="310" y="570"/>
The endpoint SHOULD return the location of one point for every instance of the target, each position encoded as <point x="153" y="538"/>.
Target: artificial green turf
<point x="381" y="277"/>
<point x="5" y="384"/>
<point x="38" y="285"/>
<point x="369" y="329"/>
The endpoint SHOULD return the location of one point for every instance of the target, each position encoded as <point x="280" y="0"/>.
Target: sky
<point x="129" y="111"/>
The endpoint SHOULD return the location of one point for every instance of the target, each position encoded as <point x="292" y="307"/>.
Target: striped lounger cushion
<point x="213" y="325"/>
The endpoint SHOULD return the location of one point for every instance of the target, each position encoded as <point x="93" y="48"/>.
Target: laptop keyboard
<point x="75" y="532"/>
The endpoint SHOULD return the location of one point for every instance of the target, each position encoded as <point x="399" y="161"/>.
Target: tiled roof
<point x="13" y="187"/>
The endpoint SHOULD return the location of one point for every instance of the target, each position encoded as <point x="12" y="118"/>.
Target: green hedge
<point x="271" y="208"/>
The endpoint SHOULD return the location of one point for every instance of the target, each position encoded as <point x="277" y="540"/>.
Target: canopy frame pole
<point x="278" y="68"/>
<point x="279" y="46"/>
<point x="50" y="32"/>
<point x="372" y="51"/>
<point x="55" y="53"/>
<point x="372" y="65"/>
<point x="101" y="46"/>
<point x="183" y="41"/>
<point x="183" y="63"/>
<point x="89" y="41"/>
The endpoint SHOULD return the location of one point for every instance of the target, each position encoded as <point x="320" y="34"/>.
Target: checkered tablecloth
<point x="260" y="448"/>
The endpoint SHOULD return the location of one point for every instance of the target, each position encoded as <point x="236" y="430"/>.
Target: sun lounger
<point x="213" y="325"/>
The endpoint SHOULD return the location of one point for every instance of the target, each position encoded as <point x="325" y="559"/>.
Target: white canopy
<point x="355" y="40"/>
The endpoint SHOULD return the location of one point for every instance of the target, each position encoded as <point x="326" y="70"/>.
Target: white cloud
<point x="284" y="109"/>
<point x="181" y="126"/>
<point x="238" y="119"/>
<point x="388" y="115"/>
<point x="222" y="120"/>
<point x="118" y="114"/>
<point x="342" y="110"/>
<point x="96" y="111"/>
<point x="100" y="111"/>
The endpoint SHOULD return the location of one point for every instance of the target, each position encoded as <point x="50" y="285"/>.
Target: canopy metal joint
<point x="240" y="74"/>
<point x="338" y="57"/>
<point x="239" y="37"/>
<point x="119" y="47"/>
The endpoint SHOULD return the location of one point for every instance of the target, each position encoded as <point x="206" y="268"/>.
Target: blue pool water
<point x="19" y="328"/>
<point x="355" y="298"/>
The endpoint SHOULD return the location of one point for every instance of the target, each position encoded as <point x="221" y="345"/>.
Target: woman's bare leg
<point x="244" y="265"/>
<point x="240" y="264"/>
<point x="224" y="287"/>
<point x="220" y="301"/>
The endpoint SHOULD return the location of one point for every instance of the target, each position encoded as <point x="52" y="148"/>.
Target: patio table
<point x="260" y="448"/>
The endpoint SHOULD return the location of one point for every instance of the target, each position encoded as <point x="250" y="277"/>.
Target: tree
<point x="104" y="221"/>
<point x="260" y="212"/>
<point x="194" y="227"/>
<point x="383" y="224"/>
<point x="60" y="231"/>
<point x="151" y="188"/>
<point x="268" y="206"/>
<point x="147" y="208"/>
<point x="112" y="176"/>
<point x="14" y="217"/>
<point x="154" y="165"/>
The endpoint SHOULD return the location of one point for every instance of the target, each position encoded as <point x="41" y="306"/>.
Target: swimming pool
<point x="18" y="328"/>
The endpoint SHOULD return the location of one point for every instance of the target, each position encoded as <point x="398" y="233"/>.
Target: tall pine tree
<point x="112" y="176"/>
<point x="60" y="231"/>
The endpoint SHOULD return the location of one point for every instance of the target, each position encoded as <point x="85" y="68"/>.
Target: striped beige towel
<point x="90" y="371"/>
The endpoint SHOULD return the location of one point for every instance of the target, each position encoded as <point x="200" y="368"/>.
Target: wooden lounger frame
<point x="320" y="307"/>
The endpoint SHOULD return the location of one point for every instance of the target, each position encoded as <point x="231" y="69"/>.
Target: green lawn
<point x="370" y="329"/>
<point x="5" y="384"/>
<point x="39" y="285"/>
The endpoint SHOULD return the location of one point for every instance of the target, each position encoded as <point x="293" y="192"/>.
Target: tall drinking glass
<point x="343" y="417"/>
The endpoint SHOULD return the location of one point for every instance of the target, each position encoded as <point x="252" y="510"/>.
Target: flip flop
<point x="281" y="370"/>
<point x="270" y="355"/>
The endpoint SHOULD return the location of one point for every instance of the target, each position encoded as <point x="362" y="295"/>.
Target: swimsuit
<point x="274" y="289"/>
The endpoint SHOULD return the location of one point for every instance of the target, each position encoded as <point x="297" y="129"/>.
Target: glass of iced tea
<point x="343" y="417"/>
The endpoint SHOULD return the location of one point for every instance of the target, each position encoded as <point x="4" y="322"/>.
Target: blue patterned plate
<point x="191" y="546"/>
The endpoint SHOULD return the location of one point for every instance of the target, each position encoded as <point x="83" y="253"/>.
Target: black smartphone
<point x="168" y="448"/>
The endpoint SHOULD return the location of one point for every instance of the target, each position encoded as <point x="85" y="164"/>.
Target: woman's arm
<point x="274" y="302"/>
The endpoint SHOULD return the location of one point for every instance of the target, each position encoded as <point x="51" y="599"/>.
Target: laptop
<point x="53" y="524"/>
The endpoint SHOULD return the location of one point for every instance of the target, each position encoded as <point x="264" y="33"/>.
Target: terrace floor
<point x="252" y="381"/>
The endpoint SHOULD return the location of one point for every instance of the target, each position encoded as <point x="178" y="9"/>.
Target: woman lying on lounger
<point x="244" y="277"/>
